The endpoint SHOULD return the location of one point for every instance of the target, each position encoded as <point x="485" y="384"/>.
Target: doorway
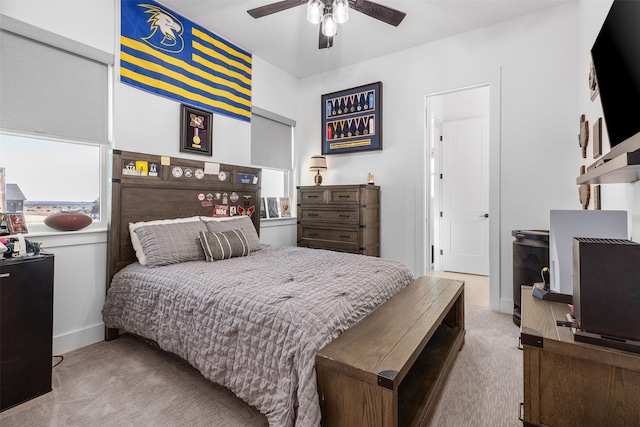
<point x="458" y="151"/>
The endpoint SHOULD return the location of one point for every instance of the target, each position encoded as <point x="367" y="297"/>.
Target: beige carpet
<point x="129" y="383"/>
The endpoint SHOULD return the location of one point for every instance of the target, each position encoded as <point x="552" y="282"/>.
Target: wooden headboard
<point x="146" y="187"/>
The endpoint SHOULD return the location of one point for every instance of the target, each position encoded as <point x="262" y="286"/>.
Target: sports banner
<point x="166" y="54"/>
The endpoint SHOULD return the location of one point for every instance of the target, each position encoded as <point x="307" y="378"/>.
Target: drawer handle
<point x="345" y="237"/>
<point x="312" y="214"/>
<point x="342" y="197"/>
<point x="312" y="197"/>
<point x="344" y="216"/>
<point x="521" y="412"/>
<point x="313" y="234"/>
<point x="5" y="274"/>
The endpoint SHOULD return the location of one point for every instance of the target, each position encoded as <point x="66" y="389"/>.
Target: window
<point x="54" y="121"/>
<point x="272" y="150"/>
<point x="275" y="183"/>
<point x="44" y="176"/>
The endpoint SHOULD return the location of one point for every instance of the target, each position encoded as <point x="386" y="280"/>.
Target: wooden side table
<point x="570" y="383"/>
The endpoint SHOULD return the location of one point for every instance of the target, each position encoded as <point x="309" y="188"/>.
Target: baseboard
<point x="77" y="339"/>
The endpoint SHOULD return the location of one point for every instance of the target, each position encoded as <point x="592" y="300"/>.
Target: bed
<point x="252" y="322"/>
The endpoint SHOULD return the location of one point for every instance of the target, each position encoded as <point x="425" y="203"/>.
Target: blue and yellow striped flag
<point x="164" y="53"/>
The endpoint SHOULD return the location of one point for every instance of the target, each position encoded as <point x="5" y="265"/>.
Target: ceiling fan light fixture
<point x="340" y="11"/>
<point x="314" y="11"/>
<point x="329" y="25"/>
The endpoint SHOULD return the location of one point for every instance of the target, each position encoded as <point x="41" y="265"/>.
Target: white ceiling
<point x="286" y="40"/>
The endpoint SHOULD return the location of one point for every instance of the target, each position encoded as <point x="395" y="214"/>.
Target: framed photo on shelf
<point x="263" y="210"/>
<point x="272" y="207"/>
<point x="352" y="120"/>
<point x="196" y="130"/>
<point x="16" y="223"/>
<point x="285" y="207"/>
<point x="4" y="226"/>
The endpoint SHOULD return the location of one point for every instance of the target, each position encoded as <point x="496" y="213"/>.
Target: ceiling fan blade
<point x="324" y="42"/>
<point x="378" y="11"/>
<point x="268" y="9"/>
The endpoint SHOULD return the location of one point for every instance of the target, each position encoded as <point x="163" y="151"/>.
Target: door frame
<point x="497" y="301"/>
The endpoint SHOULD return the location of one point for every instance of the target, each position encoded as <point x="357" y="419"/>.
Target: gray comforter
<point x="254" y="324"/>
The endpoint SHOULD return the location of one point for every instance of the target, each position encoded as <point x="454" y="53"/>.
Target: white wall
<point x="613" y="196"/>
<point x="141" y="122"/>
<point x="530" y="63"/>
<point x="537" y="71"/>
<point x="80" y="258"/>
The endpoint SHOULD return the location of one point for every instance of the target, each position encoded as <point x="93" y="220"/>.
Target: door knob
<point x="484" y="216"/>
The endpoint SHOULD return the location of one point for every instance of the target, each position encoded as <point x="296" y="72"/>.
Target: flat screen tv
<point x="616" y="60"/>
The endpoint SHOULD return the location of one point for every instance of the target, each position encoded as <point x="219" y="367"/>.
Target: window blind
<point x="271" y="140"/>
<point x="52" y="85"/>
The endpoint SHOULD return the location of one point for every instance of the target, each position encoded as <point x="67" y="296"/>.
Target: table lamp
<point x="317" y="164"/>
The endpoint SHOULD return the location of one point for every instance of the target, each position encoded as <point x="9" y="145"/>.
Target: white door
<point x="465" y="197"/>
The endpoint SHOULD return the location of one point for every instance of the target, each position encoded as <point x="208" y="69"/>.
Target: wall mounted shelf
<point x="620" y="165"/>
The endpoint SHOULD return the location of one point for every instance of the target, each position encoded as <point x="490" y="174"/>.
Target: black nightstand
<point x="26" y="327"/>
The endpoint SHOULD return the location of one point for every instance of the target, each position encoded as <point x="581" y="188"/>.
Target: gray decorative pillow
<point x="243" y="222"/>
<point x="224" y="244"/>
<point x="172" y="243"/>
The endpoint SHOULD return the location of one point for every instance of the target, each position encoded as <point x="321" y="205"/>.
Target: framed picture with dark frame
<point x="352" y="120"/>
<point x="196" y="130"/>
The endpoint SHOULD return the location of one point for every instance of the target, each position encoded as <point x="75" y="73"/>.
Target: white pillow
<point x="135" y="240"/>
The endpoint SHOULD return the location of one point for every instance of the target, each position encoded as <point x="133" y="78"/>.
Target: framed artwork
<point x="272" y="207"/>
<point x="597" y="138"/>
<point x="196" y="130"/>
<point x="263" y="210"/>
<point x="583" y="136"/>
<point x="285" y="207"/>
<point x="584" y="191"/>
<point x="4" y="227"/>
<point x="16" y="223"/>
<point x="352" y="120"/>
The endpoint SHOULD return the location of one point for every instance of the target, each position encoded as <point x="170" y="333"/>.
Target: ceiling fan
<point x="336" y="11"/>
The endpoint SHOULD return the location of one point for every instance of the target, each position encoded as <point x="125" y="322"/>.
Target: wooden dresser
<point x="343" y="218"/>
<point x="570" y="383"/>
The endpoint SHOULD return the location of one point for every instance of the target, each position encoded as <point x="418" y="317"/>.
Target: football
<point x="68" y="221"/>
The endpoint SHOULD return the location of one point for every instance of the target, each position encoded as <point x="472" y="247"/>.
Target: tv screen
<point x="616" y="59"/>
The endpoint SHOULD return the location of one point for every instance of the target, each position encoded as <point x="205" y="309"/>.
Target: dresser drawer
<point x="331" y="196"/>
<point x="342" y="216"/>
<point x="344" y="196"/>
<point x="344" y="236"/>
<point x="311" y="195"/>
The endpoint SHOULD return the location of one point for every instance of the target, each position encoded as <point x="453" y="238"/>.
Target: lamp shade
<point x="340" y="11"/>
<point x="314" y="11"/>
<point x="318" y="163"/>
<point x="329" y="26"/>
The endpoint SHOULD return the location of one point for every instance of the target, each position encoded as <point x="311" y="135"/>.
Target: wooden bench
<point x="388" y="369"/>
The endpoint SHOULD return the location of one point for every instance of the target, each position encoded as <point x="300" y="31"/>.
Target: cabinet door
<point x="26" y="297"/>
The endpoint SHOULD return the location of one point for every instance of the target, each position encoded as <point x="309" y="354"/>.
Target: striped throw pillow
<point x="224" y="244"/>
